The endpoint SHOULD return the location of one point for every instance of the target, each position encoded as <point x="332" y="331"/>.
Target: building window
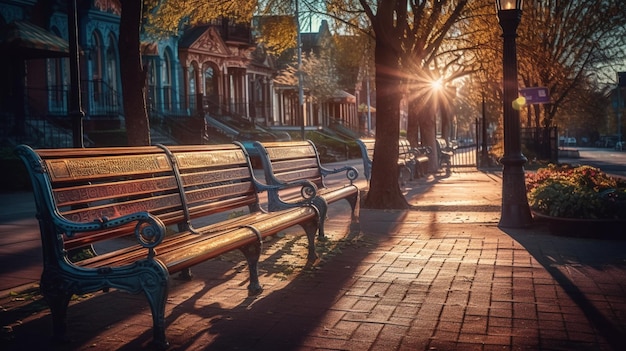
<point x="111" y="71"/>
<point x="166" y="80"/>
<point x="210" y="89"/>
<point x="96" y="67"/>
<point x="57" y="83"/>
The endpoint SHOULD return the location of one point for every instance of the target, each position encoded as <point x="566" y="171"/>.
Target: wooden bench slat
<point x="95" y="152"/>
<point x="155" y="204"/>
<point x="295" y="150"/>
<point x="188" y="160"/>
<point x="204" y="209"/>
<point x="216" y="193"/>
<point x="215" y="176"/>
<point x="94" y="192"/>
<point x="311" y="174"/>
<point x="76" y="169"/>
<point x="281" y="165"/>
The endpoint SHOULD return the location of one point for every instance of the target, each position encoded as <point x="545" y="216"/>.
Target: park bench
<point x="174" y="201"/>
<point x="285" y="162"/>
<point x="412" y="160"/>
<point x="417" y="158"/>
<point x="444" y="153"/>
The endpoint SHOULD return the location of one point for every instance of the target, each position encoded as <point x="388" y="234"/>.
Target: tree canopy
<point x="562" y="44"/>
<point x="567" y="46"/>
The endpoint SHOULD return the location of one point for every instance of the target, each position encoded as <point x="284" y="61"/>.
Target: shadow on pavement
<point x="574" y="264"/>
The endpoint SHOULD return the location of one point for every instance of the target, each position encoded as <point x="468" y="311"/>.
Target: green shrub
<point x="576" y="192"/>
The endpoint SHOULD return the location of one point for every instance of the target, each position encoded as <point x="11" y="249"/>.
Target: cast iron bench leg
<point x="58" y="300"/>
<point x="252" y="253"/>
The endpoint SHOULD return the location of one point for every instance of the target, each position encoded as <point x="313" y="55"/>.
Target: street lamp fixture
<point x="515" y="211"/>
<point x="509" y="5"/>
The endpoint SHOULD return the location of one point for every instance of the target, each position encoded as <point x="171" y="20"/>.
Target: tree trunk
<point x="133" y="75"/>
<point x="384" y="192"/>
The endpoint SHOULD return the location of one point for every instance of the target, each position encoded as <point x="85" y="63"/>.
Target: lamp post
<point x="515" y="211"/>
<point x="484" y="153"/>
<point x="76" y="113"/>
<point x="621" y="82"/>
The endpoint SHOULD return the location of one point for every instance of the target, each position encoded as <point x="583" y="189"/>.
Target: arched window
<point x="166" y="81"/>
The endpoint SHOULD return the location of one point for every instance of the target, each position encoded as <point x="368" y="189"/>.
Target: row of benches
<point x="412" y="160"/>
<point x="162" y="196"/>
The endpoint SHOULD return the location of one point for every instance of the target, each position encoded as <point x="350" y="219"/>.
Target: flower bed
<point x="577" y="199"/>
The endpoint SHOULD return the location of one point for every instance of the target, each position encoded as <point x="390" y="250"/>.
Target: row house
<point x="214" y="70"/>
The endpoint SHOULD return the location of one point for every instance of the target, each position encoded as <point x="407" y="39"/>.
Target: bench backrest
<point x="367" y="154"/>
<point x="441" y="144"/>
<point x="444" y="147"/>
<point x="367" y="147"/>
<point x="74" y="187"/>
<point x="291" y="161"/>
<point x="405" y="150"/>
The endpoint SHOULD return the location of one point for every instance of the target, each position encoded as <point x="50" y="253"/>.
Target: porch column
<point x="267" y="100"/>
<point x="246" y="80"/>
<point x="186" y="88"/>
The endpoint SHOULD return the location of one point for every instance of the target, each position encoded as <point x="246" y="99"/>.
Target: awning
<point x="343" y="96"/>
<point x="28" y="41"/>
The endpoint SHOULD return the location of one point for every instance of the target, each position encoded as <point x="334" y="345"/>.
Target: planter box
<point x="584" y="228"/>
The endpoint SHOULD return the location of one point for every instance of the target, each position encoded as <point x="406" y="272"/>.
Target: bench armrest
<point x="308" y="192"/>
<point x="413" y="153"/>
<point x="149" y="230"/>
<point x="351" y="173"/>
<point x="425" y="150"/>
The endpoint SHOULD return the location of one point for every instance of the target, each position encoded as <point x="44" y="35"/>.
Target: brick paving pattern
<point x="440" y="276"/>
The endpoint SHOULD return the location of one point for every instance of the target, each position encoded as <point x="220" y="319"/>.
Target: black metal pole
<point x="76" y="113"/>
<point x="484" y="155"/>
<point x="515" y="209"/>
<point x="300" y="78"/>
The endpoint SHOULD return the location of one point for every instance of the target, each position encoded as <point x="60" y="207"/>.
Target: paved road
<point x="609" y="160"/>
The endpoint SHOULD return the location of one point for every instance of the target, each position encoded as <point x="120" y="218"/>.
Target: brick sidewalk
<point x="441" y="276"/>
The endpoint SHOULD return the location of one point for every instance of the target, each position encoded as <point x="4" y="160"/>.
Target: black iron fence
<point x="540" y="143"/>
<point x="484" y="148"/>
